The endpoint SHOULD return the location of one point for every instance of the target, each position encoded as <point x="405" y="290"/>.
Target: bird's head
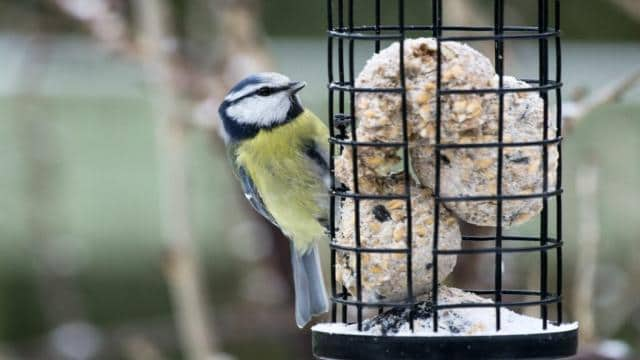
<point x="260" y="101"/>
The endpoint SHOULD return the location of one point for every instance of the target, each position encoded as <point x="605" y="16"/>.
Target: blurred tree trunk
<point x="587" y="254"/>
<point x="182" y="269"/>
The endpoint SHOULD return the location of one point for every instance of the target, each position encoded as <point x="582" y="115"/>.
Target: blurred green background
<point x="82" y="250"/>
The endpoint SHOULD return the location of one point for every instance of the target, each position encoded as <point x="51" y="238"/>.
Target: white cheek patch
<point x="261" y="111"/>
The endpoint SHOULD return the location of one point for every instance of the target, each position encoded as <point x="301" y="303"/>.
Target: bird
<point x="280" y="153"/>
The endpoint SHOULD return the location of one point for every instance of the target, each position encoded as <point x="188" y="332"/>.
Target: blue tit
<point x="279" y="150"/>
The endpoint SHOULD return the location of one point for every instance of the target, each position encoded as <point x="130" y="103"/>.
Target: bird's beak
<point x="296" y="86"/>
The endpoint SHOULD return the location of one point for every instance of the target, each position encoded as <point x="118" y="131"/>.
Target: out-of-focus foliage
<point x="582" y="19"/>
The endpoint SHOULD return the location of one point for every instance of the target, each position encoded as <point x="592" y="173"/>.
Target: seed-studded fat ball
<point x="465" y="118"/>
<point x="383" y="224"/>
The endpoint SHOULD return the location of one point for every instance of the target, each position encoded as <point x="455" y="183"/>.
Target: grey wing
<point x="252" y="194"/>
<point x="318" y="157"/>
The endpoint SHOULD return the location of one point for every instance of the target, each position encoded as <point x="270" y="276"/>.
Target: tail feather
<point x="311" y="296"/>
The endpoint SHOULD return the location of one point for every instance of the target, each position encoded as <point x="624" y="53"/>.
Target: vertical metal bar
<point x="559" y="170"/>
<point x="499" y="63"/>
<point x="543" y="77"/>
<point x="434" y="18"/>
<point x="406" y="166"/>
<point x="378" y="16"/>
<point x="436" y="10"/>
<point x="356" y="190"/>
<point x="341" y="55"/>
<point x="437" y="24"/>
<point x="332" y="149"/>
<point x="341" y="109"/>
<point x="378" y="21"/>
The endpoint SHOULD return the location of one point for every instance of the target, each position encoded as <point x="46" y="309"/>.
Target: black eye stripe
<point x="255" y="92"/>
<point x="264" y="91"/>
<point x="271" y="89"/>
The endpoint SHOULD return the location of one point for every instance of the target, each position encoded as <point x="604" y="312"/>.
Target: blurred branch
<point x="158" y="49"/>
<point x="239" y="51"/>
<point x="238" y="47"/>
<point x="632" y="7"/>
<point x="465" y="12"/>
<point x="239" y="42"/>
<point x="469" y="12"/>
<point x="587" y="252"/>
<point x="575" y="112"/>
<point x="104" y="21"/>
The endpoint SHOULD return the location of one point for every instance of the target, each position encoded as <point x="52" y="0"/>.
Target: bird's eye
<point x="264" y="91"/>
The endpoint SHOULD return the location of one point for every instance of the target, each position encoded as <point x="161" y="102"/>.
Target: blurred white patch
<point x="250" y="241"/>
<point x="76" y="340"/>
<point x="569" y="109"/>
<point x="84" y="9"/>
<point x="614" y="349"/>
<point x="264" y="286"/>
<point x="205" y="114"/>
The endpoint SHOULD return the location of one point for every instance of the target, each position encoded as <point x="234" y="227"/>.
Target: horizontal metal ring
<point x="547" y="300"/>
<point x="352" y="195"/>
<point x="506" y="292"/>
<point x="539" y="195"/>
<point x="340" y="300"/>
<point x="501" y="145"/>
<point x="346" y="86"/>
<point x="361" y="36"/>
<point x="506" y="238"/>
<point x="430" y="27"/>
<point x="551" y="85"/>
<point x="524" y="36"/>
<point x="368" y="250"/>
<point x="499" y="250"/>
<point x="348" y="142"/>
<point x="550" y="298"/>
<point x="362" y="32"/>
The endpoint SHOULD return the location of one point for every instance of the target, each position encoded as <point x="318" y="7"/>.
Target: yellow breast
<point x="291" y="190"/>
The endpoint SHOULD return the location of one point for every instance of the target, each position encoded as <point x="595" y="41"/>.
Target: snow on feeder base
<point x="463" y="333"/>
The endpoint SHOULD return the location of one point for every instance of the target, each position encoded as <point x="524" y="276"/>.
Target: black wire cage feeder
<point x="422" y="323"/>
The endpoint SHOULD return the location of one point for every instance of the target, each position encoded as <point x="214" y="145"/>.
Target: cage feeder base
<point x="559" y="343"/>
